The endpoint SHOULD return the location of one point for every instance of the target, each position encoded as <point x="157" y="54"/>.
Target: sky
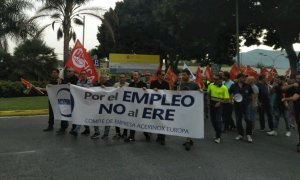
<point x="91" y="29"/>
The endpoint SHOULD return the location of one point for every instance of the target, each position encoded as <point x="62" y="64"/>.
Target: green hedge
<point x="16" y="89"/>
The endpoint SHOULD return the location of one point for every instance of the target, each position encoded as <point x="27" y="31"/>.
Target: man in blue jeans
<point x="242" y="94"/>
<point x="264" y="104"/>
<point x="296" y="99"/>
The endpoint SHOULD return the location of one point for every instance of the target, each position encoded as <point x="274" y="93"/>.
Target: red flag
<point x="233" y="71"/>
<point x="274" y="70"/>
<point x="28" y="86"/>
<point x="271" y="74"/>
<point x="171" y="77"/>
<point x="80" y="60"/>
<point x="243" y="68"/>
<point x="264" y="71"/>
<point x="198" y="79"/>
<point x="154" y="76"/>
<point x="288" y="72"/>
<point x="251" y="72"/>
<point x="208" y="73"/>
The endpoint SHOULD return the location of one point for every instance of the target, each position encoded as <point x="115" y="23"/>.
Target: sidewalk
<point x="24" y="112"/>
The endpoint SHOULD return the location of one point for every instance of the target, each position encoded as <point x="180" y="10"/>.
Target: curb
<point x="24" y="112"/>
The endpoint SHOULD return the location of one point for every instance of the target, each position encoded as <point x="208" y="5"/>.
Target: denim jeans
<point x="243" y="111"/>
<point x="252" y="113"/>
<point x="285" y="113"/>
<point x="262" y="109"/>
<point x="297" y="115"/>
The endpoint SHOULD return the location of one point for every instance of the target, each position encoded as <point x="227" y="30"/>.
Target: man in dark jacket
<point x="264" y="104"/>
<point x="70" y="78"/>
<point x="137" y="83"/>
<point x="160" y="83"/>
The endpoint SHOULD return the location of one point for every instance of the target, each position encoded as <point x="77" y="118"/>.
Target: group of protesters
<point x="247" y="97"/>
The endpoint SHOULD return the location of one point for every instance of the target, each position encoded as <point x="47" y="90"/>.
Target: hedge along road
<point x="24" y="106"/>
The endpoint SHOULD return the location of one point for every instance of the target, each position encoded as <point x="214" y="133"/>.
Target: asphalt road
<point x="28" y="153"/>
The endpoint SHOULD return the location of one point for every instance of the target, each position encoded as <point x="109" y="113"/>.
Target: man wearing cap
<point x="242" y="94"/>
<point x="217" y="95"/>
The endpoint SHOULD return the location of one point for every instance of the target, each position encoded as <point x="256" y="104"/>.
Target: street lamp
<point x="83" y="18"/>
<point x="237" y="33"/>
<point x="274" y="58"/>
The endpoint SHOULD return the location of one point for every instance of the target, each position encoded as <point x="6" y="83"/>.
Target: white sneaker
<point x="218" y="140"/>
<point x="272" y="133"/>
<point x="239" y="137"/>
<point x="288" y="133"/>
<point x="249" y="139"/>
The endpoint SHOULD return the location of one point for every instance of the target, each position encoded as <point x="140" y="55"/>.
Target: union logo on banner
<point x="80" y="60"/>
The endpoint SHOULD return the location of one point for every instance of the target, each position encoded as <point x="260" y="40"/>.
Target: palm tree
<point x="12" y="21"/>
<point x="65" y="13"/>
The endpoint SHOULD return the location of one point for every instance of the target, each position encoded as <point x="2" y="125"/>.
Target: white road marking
<point x="17" y="153"/>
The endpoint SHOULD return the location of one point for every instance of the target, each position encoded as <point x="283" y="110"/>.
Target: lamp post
<point x="274" y="58"/>
<point x="83" y="19"/>
<point x="237" y="33"/>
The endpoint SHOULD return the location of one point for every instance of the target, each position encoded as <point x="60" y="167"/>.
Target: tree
<point x="6" y="65"/>
<point x="275" y="21"/>
<point x="13" y="21"/>
<point x="65" y="13"/>
<point x="174" y="29"/>
<point x="35" y="60"/>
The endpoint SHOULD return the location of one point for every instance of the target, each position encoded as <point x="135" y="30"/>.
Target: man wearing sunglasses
<point x="160" y="83"/>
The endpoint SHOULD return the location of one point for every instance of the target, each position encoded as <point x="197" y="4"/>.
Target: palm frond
<point x="38" y="34"/>
<point x="74" y="36"/>
<point x="90" y="9"/>
<point x="56" y="16"/>
<point x="77" y="21"/>
<point x="105" y="23"/>
<point x="50" y="8"/>
<point x="60" y="34"/>
<point x="38" y="17"/>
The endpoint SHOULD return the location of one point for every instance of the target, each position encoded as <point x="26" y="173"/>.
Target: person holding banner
<point x="137" y="83"/>
<point x="103" y="83"/>
<point x="160" y="83"/>
<point x="186" y="85"/>
<point x="122" y="83"/>
<point x="148" y="79"/>
<point x="55" y="80"/>
<point x="218" y="95"/>
<point x="70" y="78"/>
<point x="83" y="82"/>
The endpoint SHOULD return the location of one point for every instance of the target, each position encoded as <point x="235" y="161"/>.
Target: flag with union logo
<point x="80" y="60"/>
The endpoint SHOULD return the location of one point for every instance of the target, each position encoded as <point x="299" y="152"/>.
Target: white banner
<point x="61" y="101"/>
<point x="178" y="113"/>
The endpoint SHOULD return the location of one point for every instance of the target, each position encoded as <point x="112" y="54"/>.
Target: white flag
<point x="192" y="75"/>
